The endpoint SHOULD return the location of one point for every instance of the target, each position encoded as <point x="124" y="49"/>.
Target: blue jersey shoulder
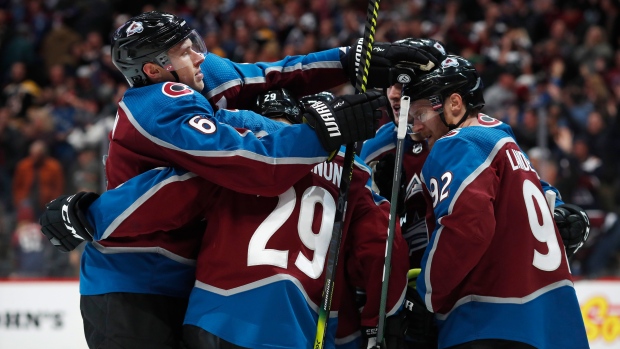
<point x="160" y="101"/>
<point x="455" y="157"/>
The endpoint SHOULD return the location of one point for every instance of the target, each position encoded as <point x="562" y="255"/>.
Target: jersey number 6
<point x="258" y="254"/>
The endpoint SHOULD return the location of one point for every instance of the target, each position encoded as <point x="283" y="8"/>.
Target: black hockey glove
<point x="574" y="226"/>
<point x="347" y="119"/>
<point x="389" y="63"/>
<point x="421" y="329"/>
<point x="394" y="334"/>
<point x="369" y="335"/>
<point x="64" y="222"/>
<point x="384" y="177"/>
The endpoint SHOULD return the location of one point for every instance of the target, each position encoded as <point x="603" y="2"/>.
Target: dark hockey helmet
<point x="278" y="104"/>
<point x="455" y="74"/>
<point x="434" y="47"/>
<point x="325" y="97"/>
<point x="147" y="38"/>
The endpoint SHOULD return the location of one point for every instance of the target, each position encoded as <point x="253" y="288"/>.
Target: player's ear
<point x="455" y="103"/>
<point x="154" y="72"/>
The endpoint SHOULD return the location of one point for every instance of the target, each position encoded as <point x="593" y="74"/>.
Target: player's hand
<point x="384" y="178"/>
<point x="421" y="329"/>
<point x="347" y="119"/>
<point x="63" y="222"/>
<point x="389" y="63"/>
<point x="574" y="226"/>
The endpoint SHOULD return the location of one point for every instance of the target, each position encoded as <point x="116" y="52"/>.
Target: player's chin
<point x="430" y="140"/>
<point x="199" y="85"/>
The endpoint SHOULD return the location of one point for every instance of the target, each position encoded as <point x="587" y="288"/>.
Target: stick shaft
<point x="398" y="164"/>
<point x="347" y="172"/>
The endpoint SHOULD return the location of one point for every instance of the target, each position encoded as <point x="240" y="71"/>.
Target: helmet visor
<point x="422" y="110"/>
<point x="185" y="53"/>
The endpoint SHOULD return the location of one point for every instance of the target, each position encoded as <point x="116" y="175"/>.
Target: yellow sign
<point x="601" y="319"/>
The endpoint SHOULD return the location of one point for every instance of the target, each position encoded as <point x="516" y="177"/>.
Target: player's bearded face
<point x="426" y="122"/>
<point x="186" y="58"/>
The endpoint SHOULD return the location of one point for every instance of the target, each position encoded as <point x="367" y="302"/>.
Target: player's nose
<point x="198" y="58"/>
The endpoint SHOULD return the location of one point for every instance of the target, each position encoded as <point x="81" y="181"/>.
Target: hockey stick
<point x="398" y="164"/>
<point x="347" y="173"/>
<point x="550" y="196"/>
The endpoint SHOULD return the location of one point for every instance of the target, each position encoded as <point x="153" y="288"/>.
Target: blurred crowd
<point x="551" y="70"/>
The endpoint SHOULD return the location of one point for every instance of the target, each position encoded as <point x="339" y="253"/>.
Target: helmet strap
<point x="176" y="76"/>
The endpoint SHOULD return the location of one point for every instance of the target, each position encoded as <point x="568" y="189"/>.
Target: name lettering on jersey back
<point x="518" y="161"/>
<point x="330" y="171"/>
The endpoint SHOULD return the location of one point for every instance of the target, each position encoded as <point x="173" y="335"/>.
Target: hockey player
<point x="260" y="270"/>
<point x="281" y="103"/>
<point x="494" y="272"/>
<point x="379" y="151"/>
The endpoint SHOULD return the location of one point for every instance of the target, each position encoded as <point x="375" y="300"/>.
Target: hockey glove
<point x="389" y="63"/>
<point x="574" y="226"/>
<point x="421" y="329"/>
<point x="384" y="177"/>
<point x="64" y="222"/>
<point x="369" y="334"/>
<point x="394" y="337"/>
<point x="347" y="119"/>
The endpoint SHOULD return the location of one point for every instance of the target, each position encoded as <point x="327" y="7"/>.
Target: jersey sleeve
<point x="461" y="191"/>
<point x="174" y="197"/>
<point x="258" y="124"/>
<point x="369" y="230"/>
<point x="185" y="132"/>
<point x="236" y="85"/>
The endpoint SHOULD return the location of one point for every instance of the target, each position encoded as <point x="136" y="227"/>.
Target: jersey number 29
<point x="258" y="254"/>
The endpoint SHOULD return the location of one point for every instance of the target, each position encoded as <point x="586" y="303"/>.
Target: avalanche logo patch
<point x="452" y="133"/>
<point x="134" y="28"/>
<point x="175" y="89"/>
<point x="449" y="62"/>
<point x="487" y="121"/>
<point x="203" y="124"/>
<point x="440" y="48"/>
